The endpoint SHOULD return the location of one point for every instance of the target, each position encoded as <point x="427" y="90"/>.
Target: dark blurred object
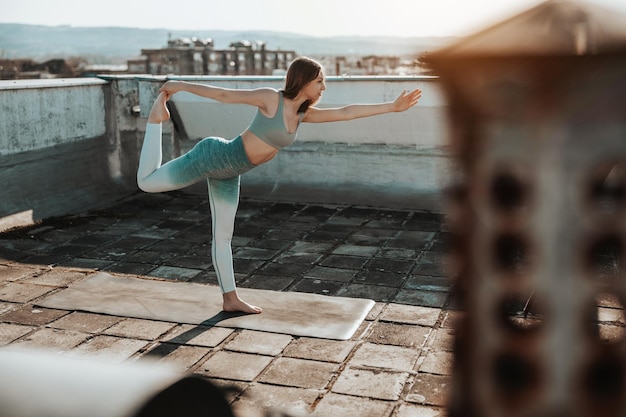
<point x="538" y="128"/>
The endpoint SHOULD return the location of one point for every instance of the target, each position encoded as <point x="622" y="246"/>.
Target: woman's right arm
<point x="255" y="97"/>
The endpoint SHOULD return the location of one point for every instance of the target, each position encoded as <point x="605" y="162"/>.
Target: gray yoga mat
<point x="293" y="313"/>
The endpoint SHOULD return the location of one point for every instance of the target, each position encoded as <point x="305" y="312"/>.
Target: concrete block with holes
<point x="538" y="129"/>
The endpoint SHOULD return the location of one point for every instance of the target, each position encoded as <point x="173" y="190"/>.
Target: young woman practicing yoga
<point x="222" y="161"/>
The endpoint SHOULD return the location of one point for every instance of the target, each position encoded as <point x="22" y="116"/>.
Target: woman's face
<point x="314" y="89"/>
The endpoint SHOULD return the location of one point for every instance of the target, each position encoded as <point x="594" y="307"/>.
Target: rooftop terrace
<point x="354" y="210"/>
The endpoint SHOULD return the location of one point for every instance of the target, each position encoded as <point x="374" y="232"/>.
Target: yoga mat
<point x="293" y="313"/>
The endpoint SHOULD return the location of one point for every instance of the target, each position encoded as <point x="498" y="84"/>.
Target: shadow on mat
<point x="166" y="347"/>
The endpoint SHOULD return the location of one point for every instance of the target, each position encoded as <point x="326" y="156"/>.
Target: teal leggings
<point x="221" y="162"/>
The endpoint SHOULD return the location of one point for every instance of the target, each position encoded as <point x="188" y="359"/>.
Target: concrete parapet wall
<point x="64" y="147"/>
<point x="39" y="114"/>
<point x="392" y="176"/>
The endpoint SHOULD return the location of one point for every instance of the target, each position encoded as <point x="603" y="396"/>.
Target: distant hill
<point x="117" y="44"/>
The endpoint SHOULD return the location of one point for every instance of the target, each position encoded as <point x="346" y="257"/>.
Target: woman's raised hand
<point x="407" y="100"/>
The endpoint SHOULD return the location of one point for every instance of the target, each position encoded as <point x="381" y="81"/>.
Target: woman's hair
<point x="301" y="71"/>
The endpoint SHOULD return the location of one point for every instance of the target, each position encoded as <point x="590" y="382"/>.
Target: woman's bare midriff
<point x="258" y="151"/>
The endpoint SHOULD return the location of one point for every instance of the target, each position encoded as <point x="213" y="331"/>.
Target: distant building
<point x="21" y="69"/>
<point x="192" y="56"/>
<point x="374" y="65"/>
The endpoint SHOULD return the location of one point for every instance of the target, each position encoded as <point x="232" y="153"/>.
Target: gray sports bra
<point x="273" y="130"/>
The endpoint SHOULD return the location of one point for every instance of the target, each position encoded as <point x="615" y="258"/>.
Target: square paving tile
<point x="183" y="357"/>
<point x="29" y="315"/>
<point x="57" y="277"/>
<point x="373" y="292"/>
<point x="310" y="247"/>
<point x="428" y="283"/>
<point x="388" y="279"/>
<point x="299" y="373"/>
<point x="85" y="322"/>
<point x="140" y="329"/>
<point x="54" y="340"/>
<point x="108" y="348"/>
<point x="330" y="274"/>
<point x="430" y="389"/>
<point x="318" y="286"/>
<point x="13" y="273"/>
<point x="230" y="389"/>
<point x="411" y="238"/>
<point x="412" y="410"/>
<point x="263" y="400"/>
<point x="610" y="333"/>
<point x="5" y="307"/>
<point x="355" y="250"/>
<point x="132" y="268"/>
<point x="319" y="349"/>
<point x="399" y="334"/>
<point x="382" y="385"/>
<point x="385" y="356"/>
<point x="260" y="343"/>
<point x="451" y="319"/>
<point x="19" y="292"/>
<point x="398" y="313"/>
<point x="375" y="311"/>
<point x="235" y="365"/>
<point x="172" y="272"/>
<point x="390" y="265"/>
<point x="437" y="363"/>
<point x="11" y="332"/>
<point x="345" y="262"/>
<point x="443" y="340"/>
<point x="268" y="282"/>
<point x="286" y="270"/>
<point x="421" y="298"/>
<point x="337" y="405"/>
<point x="189" y="334"/>
<point x="407" y="254"/>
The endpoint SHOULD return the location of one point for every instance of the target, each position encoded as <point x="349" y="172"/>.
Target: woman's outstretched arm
<point x="255" y="97"/>
<point x="355" y="111"/>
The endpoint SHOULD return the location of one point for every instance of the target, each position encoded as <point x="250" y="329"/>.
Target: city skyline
<point x="321" y="18"/>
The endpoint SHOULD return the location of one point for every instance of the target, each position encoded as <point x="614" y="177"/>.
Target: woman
<point x="222" y="161"/>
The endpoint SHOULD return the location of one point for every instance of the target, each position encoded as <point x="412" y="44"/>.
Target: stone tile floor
<point x="397" y="364"/>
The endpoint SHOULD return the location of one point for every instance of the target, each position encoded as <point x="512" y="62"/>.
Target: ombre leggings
<point x="218" y="160"/>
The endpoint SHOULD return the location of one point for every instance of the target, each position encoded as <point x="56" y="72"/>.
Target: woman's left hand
<point x="407" y="100"/>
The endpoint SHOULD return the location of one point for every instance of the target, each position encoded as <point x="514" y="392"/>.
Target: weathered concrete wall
<point x="62" y="149"/>
<point x="39" y="114"/>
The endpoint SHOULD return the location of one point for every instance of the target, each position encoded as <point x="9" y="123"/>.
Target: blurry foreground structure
<point x="538" y="126"/>
<point x="43" y="384"/>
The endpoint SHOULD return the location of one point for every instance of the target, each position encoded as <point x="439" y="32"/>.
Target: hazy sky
<point x="310" y="17"/>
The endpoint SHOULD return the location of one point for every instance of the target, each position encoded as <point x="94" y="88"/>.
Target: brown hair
<point x="302" y="71"/>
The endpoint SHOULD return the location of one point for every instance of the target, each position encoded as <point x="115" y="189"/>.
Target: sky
<point x="310" y="17"/>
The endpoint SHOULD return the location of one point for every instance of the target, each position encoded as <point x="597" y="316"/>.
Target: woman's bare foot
<point x="159" y="112"/>
<point x="233" y="303"/>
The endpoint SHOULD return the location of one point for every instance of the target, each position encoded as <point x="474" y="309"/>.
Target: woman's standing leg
<point x="183" y="171"/>
<point x="224" y="200"/>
